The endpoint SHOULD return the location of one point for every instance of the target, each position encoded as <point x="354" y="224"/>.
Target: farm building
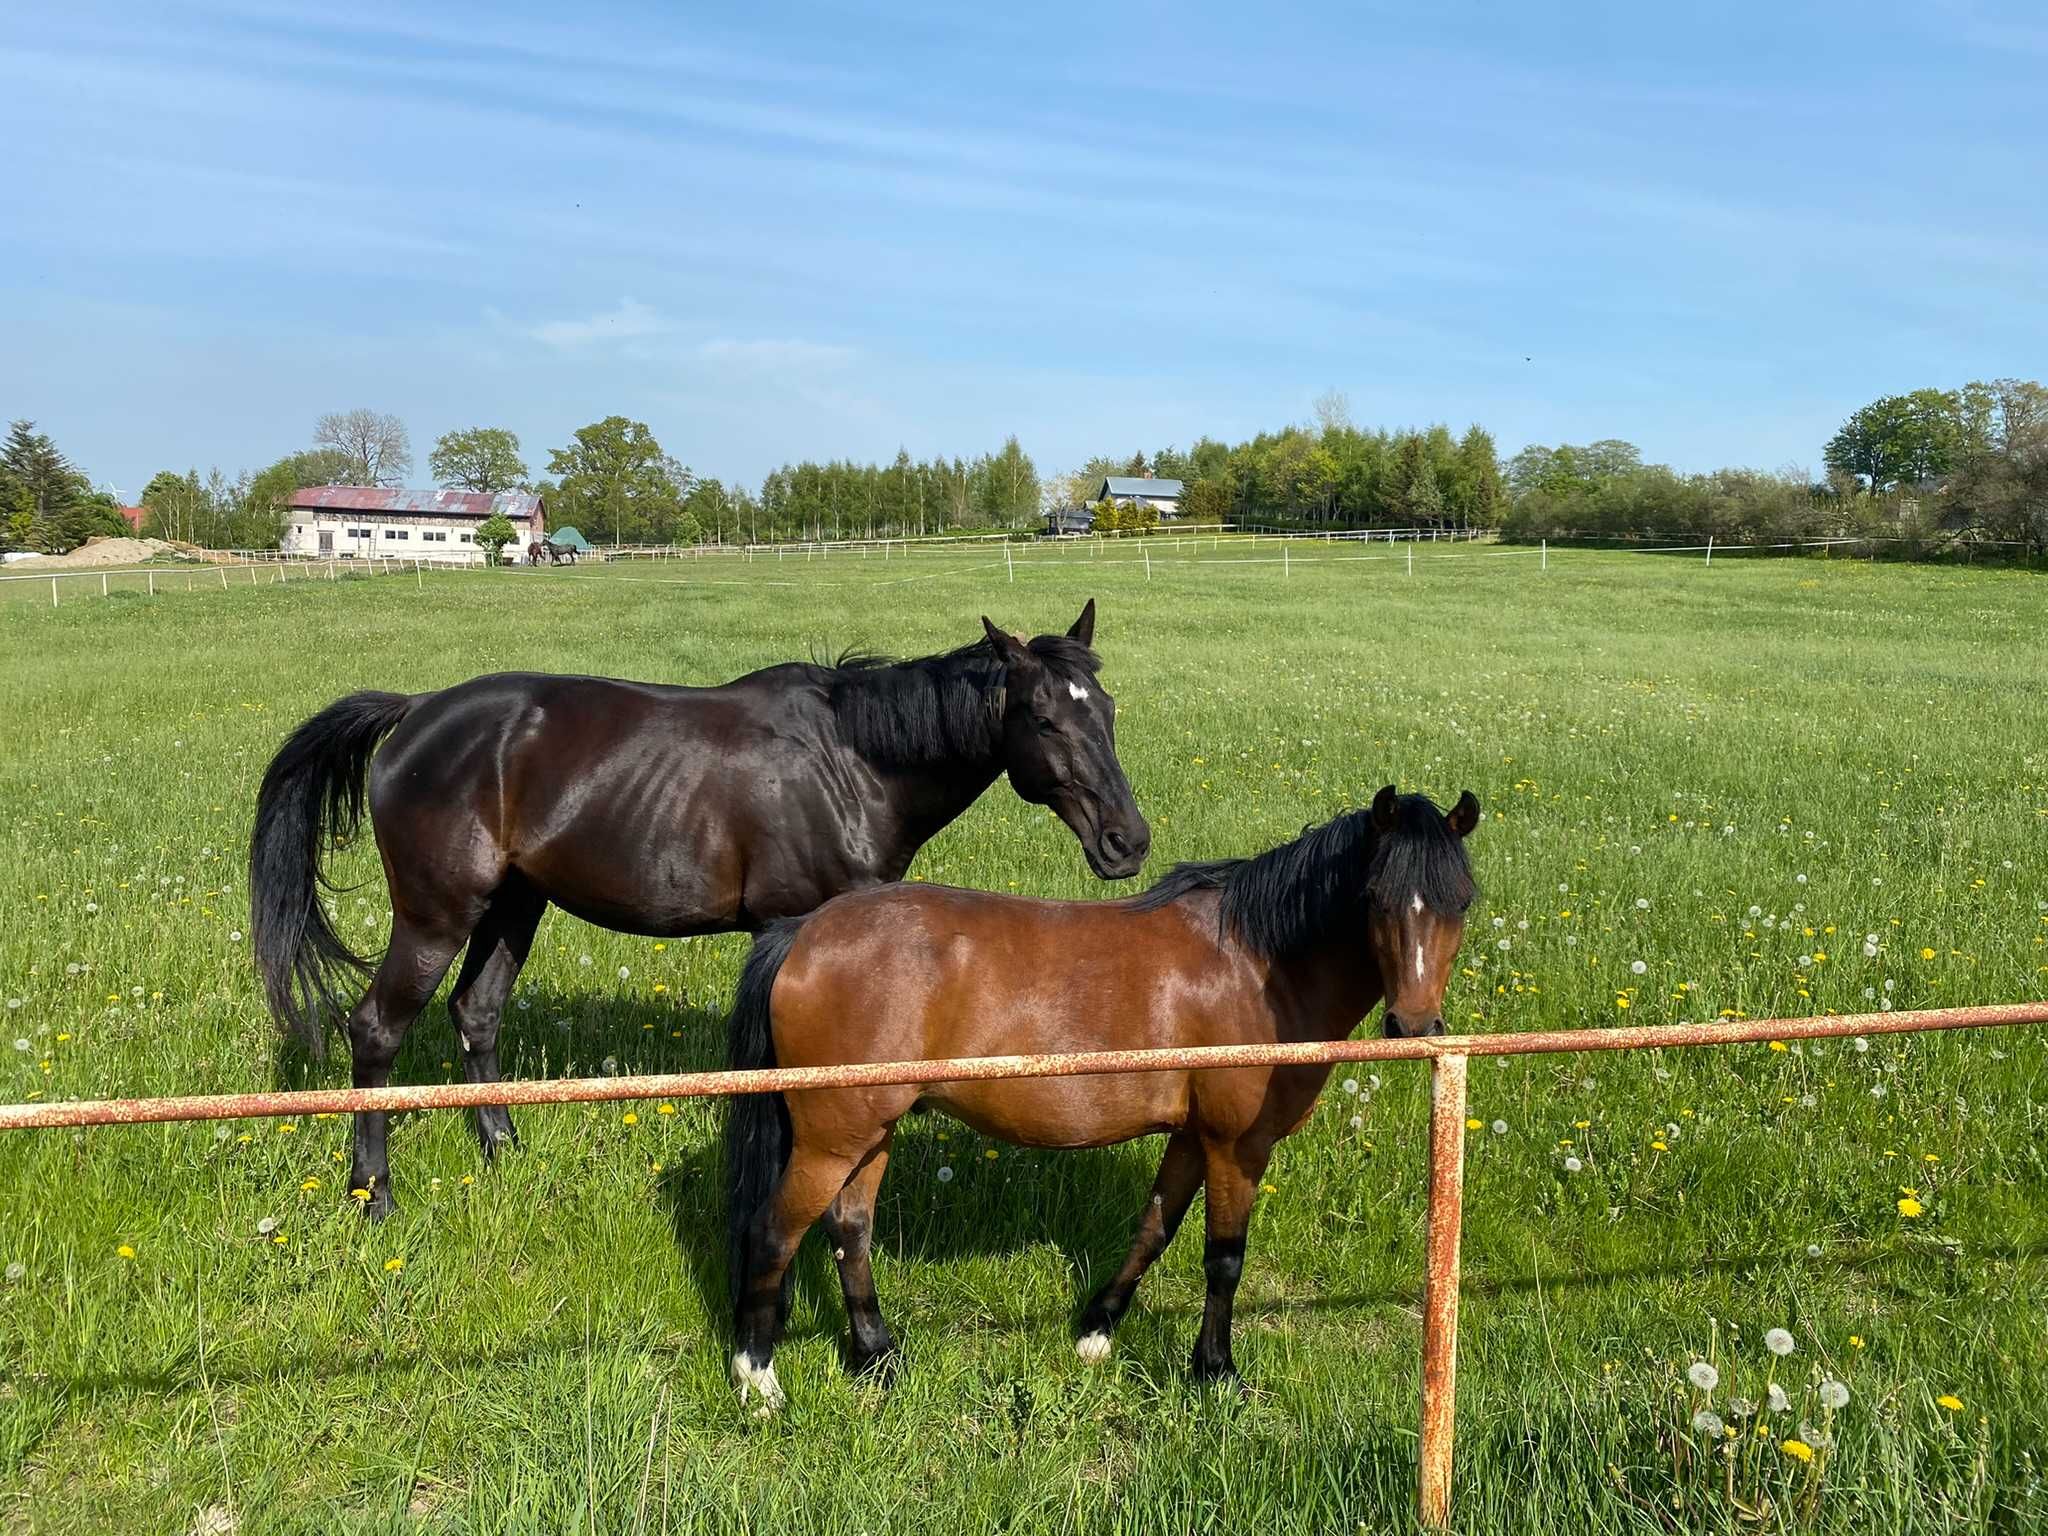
<point x="1126" y="490"/>
<point x="365" y="520"/>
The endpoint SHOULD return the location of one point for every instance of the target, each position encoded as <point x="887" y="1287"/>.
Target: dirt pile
<point x="97" y="551"/>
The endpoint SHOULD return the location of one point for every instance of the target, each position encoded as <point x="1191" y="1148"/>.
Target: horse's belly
<point x="1068" y="1111"/>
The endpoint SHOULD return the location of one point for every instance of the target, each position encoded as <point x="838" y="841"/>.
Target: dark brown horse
<point x="1296" y="944"/>
<point x="647" y="809"/>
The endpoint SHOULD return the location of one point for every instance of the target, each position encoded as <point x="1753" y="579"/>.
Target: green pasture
<point x="1772" y="787"/>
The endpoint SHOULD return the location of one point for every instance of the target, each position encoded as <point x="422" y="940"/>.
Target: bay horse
<point x="647" y="809"/>
<point x="1296" y="944"/>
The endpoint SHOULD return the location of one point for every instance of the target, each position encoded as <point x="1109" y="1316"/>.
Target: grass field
<point x="1768" y="788"/>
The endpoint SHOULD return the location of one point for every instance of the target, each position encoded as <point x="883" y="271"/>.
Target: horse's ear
<point x="1008" y="648"/>
<point x="1464" y="815"/>
<point x="1084" y="627"/>
<point x="1383" y="808"/>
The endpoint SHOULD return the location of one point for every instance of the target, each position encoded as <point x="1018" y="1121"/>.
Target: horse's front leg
<point x="1233" y="1173"/>
<point x="1180" y="1175"/>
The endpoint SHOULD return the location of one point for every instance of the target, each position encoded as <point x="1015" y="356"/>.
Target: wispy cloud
<point x="630" y="320"/>
<point x="774" y="356"/>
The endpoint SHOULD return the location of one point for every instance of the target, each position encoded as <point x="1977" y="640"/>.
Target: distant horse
<point x="534" y="552"/>
<point x="1296" y="944"/>
<point x="648" y="809"/>
<point x="554" y="554"/>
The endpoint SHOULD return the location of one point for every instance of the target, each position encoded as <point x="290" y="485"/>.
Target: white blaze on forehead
<point x="1076" y="692"/>
<point x="1415" y="903"/>
<point x="1418" y="962"/>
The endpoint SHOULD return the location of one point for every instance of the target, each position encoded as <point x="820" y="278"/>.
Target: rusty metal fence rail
<point x="1449" y="1057"/>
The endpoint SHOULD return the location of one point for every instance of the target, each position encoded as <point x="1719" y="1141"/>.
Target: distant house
<point x="1069" y="522"/>
<point x="133" y="516"/>
<point x="373" y="520"/>
<point x="1126" y="490"/>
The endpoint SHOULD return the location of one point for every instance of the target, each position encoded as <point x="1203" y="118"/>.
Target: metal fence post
<point x="1440" y="1286"/>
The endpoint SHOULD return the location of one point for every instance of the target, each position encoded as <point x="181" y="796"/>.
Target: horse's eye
<point x="1045" y="726"/>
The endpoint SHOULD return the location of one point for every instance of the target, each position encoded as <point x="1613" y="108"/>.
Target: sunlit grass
<point x="1770" y="789"/>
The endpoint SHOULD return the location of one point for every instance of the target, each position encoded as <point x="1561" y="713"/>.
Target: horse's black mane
<point x="906" y="714"/>
<point x="1294" y="897"/>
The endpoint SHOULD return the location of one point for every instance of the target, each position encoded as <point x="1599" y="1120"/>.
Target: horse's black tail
<point x="757" y="1132"/>
<point x="312" y="792"/>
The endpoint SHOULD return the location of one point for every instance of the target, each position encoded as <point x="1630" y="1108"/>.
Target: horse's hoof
<point x="753" y="1382"/>
<point x="876" y="1367"/>
<point x="1093" y="1348"/>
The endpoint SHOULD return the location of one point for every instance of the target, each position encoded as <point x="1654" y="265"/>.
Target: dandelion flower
<point x="1351" y="1085"/>
<point x="1642" y="903"/>
<point x="1572" y="1165"/>
<point x="1358" y="1122"/>
<point x="1660" y="1145"/>
<point x="1637" y="967"/>
<point x="1776" y="1397"/>
<point x="1926" y="954"/>
<point x="1834" y="1394"/>
<point x="1813" y="1250"/>
<point x="1500" y="1127"/>
<point x="945" y="1174"/>
<point x="1707" y="1422"/>
<point x="1372" y="1081"/>
<point x="1799" y="1450"/>
<point x="1951" y="1402"/>
<point x="1778" y="1341"/>
<point x="360" y="1196"/>
<point x="1473" y="1125"/>
<point x="990" y="1154"/>
<point x="16" y="1271"/>
<point x="1703" y="1376"/>
<point x="125" y="1251"/>
<point x="393" y="1265"/>
<point x="266" y="1226"/>
<point x="665" y="1109"/>
<point x="1908" y="1206"/>
<point x="1855" y="1341"/>
<point x="629" y="1118"/>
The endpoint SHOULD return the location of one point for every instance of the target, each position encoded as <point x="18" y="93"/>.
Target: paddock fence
<point x="1449" y="1057"/>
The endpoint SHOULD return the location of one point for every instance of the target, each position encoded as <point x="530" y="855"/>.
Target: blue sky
<point x="779" y="232"/>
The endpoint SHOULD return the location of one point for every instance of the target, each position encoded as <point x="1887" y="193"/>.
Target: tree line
<point x="1928" y="470"/>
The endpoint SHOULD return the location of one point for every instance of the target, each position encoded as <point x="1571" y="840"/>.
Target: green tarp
<point x="569" y="538"/>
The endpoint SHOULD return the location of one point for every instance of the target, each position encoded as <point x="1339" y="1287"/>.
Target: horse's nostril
<point x="1113" y="840"/>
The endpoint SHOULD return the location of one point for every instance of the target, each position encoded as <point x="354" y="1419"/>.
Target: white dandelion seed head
<point x="13" y="1003"/>
<point x="1637" y="967"/>
<point x="220" y="1132"/>
<point x="1565" y="890"/>
<point x="266" y="1226"/>
<point x="1635" y="847"/>
<point x="1500" y="922"/>
<point x="21" y="1043"/>
<point x="1703" y="1376"/>
<point x="1756" y="911"/>
<point x="1889" y="983"/>
<point x="1500" y="1127"/>
<point x="73" y="968"/>
<point x="610" y="1066"/>
<point x="1870" y="938"/>
<point x="1572" y="1165"/>
<point x="1807" y="1101"/>
<point x="1870" y="951"/>
<point x="1571" y="941"/>
<point x="1800" y="878"/>
<point x="16" y="1271"/>
<point x="1351" y="1085"/>
<point x="625" y="972"/>
<point x="1522" y="925"/>
<point x="945" y="1174"/>
<point x="583" y="959"/>
<point x="1860" y="1045"/>
<point x="1815" y="1436"/>
<point x="1805" y="961"/>
<point x="1778" y="1341"/>
<point x="1834" y="1394"/>
<point x="1671" y="1129"/>
<point x="1813" y="1250"/>
<point x="1372" y="1081"/>
<point x="235" y="936"/>
<point x="1642" y="903"/>
<point x="1708" y="1423"/>
<point x="1779" y="1402"/>
<point x="1358" y="1122"/>
<point x="92" y="906"/>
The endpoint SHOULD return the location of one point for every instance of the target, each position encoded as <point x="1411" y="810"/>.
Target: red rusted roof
<point x="133" y="516"/>
<point x="429" y="503"/>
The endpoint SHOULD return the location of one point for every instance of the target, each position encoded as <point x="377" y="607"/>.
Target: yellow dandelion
<point x="127" y="1252"/>
<point x="1621" y="1002"/>
<point x="393" y="1265"/>
<point x="1472" y="1125"/>
<point x="659" y="948"/>
<point x="469" y="1178"/>
<point x="309" y="1184"/>
<point x="361" y="1196"/>
<point x="1660" y="1146"/>
<point x="665" y="1109"/>
<point x="1908" y="1206"/>
<point x="629" y="1118"/>
<point x="1580" y="1125"/>
<point x="990" y="1154"/>
<point x="1855" y="1341"/>
<point x="1799" y="1450"/>
<point x="1951" y="1402"/>
<point x="1926" y="954"/>
<point x="660" y="987"/>
<point x="1779" y="1045"/>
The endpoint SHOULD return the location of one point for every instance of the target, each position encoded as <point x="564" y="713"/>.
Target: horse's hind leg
<point x="407" y="976"/>
<point x="849" y="1226"/>
<point x="810" y="1182"/>
<point x="1180" y="1175"/>
<point x="497" y="949"/>
<point x="1233" y="1171"/>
